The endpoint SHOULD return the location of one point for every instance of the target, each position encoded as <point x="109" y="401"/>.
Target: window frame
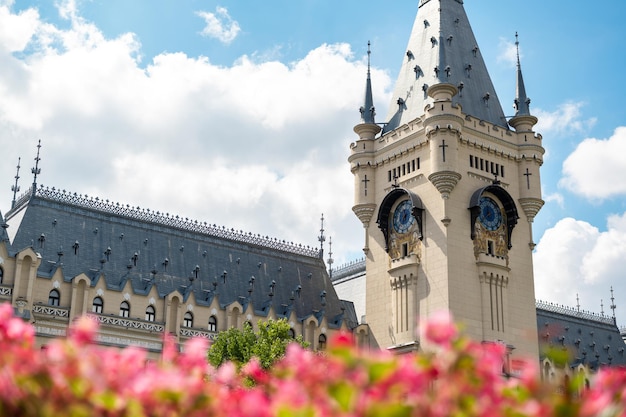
<point x="188" y="319"/>
<point x="125" y="309"/>
<point x="97" y="308"/>
<point x="150" y="313"/>
<point x="212" y="325"/>
<point x="54" y="298"/>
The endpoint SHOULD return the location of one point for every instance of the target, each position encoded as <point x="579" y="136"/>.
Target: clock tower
<point x="447" y="189"/>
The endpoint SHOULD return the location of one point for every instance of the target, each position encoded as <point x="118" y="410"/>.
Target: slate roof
<point x="3" y="229"/>
<point x="442" y="48"/>
<point x="119" y="243"/>
<point x="591" y="339"/>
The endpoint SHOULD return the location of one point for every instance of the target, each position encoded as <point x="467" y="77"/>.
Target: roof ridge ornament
<point x="36" y="170"/>
<point x="16" y="188"/>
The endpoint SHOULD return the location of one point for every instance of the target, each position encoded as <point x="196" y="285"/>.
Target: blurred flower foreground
<point x="457" y="377"/>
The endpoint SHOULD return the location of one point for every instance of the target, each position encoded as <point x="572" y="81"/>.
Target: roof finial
<point x="36" y="170"/>
<point x="330" y="258"/>
<point x="16" y="188"/>
<point x="613" y="306"/>
<point x="369" y="57"/>
<point x="577" y="303"/>
<point x="517" y="48"/>
<point x="322" y="238"/>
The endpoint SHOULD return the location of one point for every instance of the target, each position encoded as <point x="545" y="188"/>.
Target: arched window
<point x="150" y="313"/>
<point x="212" y="324"/>
<point x="54" y="298"/>
<point x="98" y="305"/>
<point x="1" y="275"/>
<point x="188" y="320"/>
<point x="125" y="309"/>
<point x="322" y="342"/>
<point x="292" y="333"/>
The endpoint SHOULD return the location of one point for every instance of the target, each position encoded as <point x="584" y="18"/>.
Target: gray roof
<point x="591" y="339"/>
<point x="3" y="229"/>
<point x="119" y="243"/>
<point x="442" y="49"/>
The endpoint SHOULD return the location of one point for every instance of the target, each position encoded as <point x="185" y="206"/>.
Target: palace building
<point x="446" y="187"/>
<point x="142" y="274"/>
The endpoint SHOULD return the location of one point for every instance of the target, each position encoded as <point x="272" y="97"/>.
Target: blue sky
<point x="219" y="110"/>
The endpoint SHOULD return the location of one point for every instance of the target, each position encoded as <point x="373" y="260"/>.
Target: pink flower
<point x="439" y="328"/>
<point x="83" y="330"/>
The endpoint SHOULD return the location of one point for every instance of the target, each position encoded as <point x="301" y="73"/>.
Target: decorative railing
<point x="573" y="312"/>
<point x="189" y="332"/>
<point x="164" y="219"/>
<point x="129" y="323"/>
<point x="6" y="291"/>
<point x="51" y="310"/>
<point x="349" y="268"/>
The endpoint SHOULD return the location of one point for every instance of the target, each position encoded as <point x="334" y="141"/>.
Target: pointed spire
<point x="368" y="112"/>
<point x="442" y="49"/>
<point x="36" y="170"/>
<point x="16" y="188"/>
<point x="330" y="258"/>
<point x="522" y="102"/>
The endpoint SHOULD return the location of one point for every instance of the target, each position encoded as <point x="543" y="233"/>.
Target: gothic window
<point x="213" y="324"/>
<point x="125" y="309"/>
<point x="54" y="298"/>
<point x="188" y="320"/>
<point x="1" y="275"/>
<point x="150" y="313"/>
<point x="292" y="333"/>
<point x="322" y="342"/>
<point x="98" y="305"/>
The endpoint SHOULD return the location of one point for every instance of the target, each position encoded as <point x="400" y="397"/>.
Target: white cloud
<point x="566" y="119"/>
<point x="556" y="198"/>
<point x="586" y="170"/>
<point x="219" y="25"/>
<point x="507" y="52"/>
<point x="16" y="30"/>
<point x="575" y="258"/>
<point x="258" y="146"/>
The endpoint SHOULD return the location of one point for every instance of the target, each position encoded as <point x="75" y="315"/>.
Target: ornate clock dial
<point x="402" y="217"/>
<point x="490" y="214"/>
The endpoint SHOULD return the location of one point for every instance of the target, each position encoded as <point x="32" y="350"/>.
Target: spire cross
<point x="527" y="175"/>
<point x="365" y="181"/>
<point x="16" y="188"/>
<point x="395" y="182"/>
<point x="443" y="147"/>
<point x="36" y="170"/>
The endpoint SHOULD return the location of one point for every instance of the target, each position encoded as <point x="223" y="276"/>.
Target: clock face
<point x="402" y="217"/>
<point x="490" y="214"/>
